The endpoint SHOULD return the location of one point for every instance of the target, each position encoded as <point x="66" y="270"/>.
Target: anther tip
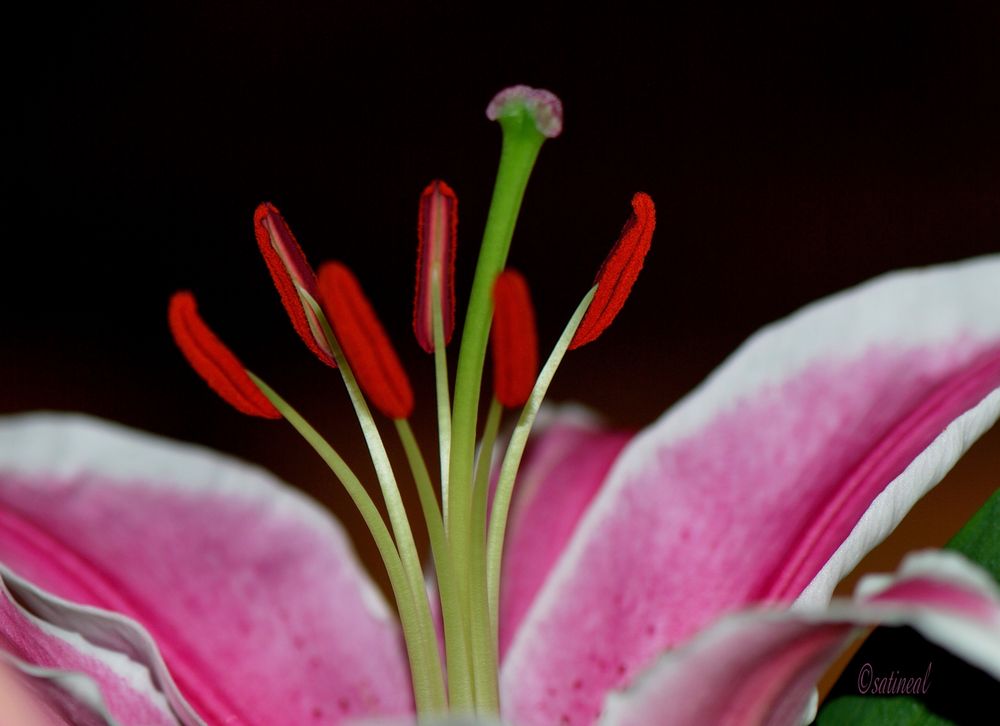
<point x="643" y="204"/>
<point x="439" y="186"/>
<point x="543" y="106"/>
<point x="263" y="209"/>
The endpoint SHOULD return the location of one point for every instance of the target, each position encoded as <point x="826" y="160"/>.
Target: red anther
<point x="513" y="340"/>
<point x="618" y="273"/>
<point x="437" y="224"/>
<point x="288" y="268"/>
<point x="212" y="360"/>
<point x="365" y="343"/>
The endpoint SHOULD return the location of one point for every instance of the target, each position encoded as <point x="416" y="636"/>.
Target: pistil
<point x="527" y="118"/>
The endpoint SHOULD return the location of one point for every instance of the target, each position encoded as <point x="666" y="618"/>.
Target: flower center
<point x="338" y="324"/>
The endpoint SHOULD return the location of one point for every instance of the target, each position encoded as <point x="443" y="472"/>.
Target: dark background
<point x="792" y="151"/>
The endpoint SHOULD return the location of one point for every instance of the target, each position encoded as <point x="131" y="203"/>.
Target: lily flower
<point x="682" y="575"/>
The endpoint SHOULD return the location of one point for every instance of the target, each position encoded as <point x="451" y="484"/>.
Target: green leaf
<point x="957" y="692"/>
<point x="867" y="710"/>
<point x="979" y="539"/>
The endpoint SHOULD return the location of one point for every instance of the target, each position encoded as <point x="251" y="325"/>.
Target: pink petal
<point x="760" y="667"/>
<point x="773" y="478"/>
<point x="564" y="466"/>
<point x="125" y="686"/>
<point x="251" y="592"/>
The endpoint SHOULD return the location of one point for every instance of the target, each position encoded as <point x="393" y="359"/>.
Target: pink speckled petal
<point x="565" y="464"/>
<point x="251" y="592"/>
<point x="767" y="483"/>
<point x="124" y="687"/>
<point x="760" y="667"/>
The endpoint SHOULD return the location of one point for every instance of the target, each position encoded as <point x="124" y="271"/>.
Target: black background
<point x="792" y="150"/>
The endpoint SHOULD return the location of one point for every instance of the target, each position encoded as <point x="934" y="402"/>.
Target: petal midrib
<point x="918" y="428"/>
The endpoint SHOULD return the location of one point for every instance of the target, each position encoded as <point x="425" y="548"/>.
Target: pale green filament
<point x="460" y="692"/>
<point x="418" y="644"/>
<point x="441" y="387"/>
<point x="393" y="501"/>
<point x="512" y="459"/>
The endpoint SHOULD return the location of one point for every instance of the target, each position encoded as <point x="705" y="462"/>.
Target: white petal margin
<point x="131" y="679"/>
<point x="759" y="666"/>
<point x="107" y="630"/>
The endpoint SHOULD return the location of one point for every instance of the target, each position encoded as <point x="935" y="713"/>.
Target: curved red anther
<point x="513" y="339"/>
<point x="618" y="273"/>
<point x="288" y="267"/>
<point x="437" y="224"/>
<point x="212" y="360"/>
<point x="365" y="343"/>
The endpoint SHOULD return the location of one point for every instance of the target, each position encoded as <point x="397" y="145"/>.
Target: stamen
<point x="212" y="360"/>
<point x="512" y="458"/>
<point x="364" y="341"/>
<point x="437" y="224"/>
<point x="618" y="273"/>
<point x="513" y="340"/>
<point x="543" y="106"/>
<point x="289" y="268"/>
